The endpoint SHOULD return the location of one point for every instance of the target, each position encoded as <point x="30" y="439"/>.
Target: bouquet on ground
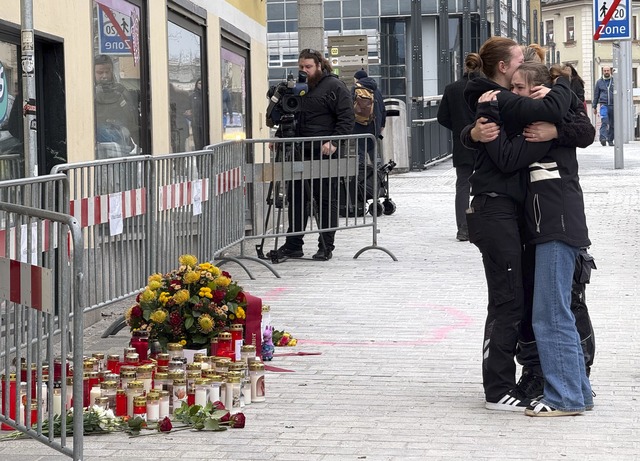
<point x="189" y="305"/>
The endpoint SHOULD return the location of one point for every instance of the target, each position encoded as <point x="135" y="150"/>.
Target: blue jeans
<point x="606" y="126"/>
<point x="566" y="384"/>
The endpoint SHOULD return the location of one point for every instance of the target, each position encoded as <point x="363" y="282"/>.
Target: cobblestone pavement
<point x="398" y="371"/>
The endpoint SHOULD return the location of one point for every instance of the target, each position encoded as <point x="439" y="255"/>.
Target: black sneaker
<point x="531" y="385"/>
<point x="603" y="142"/>
<point x="511" y="401"/>
<point x="323" y="255"/>
<point x="611" y="143"/>
<point x="285" y="252"/>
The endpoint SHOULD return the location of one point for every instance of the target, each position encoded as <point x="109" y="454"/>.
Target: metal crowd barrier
<point x="41" y="270"/>
<point x="429" y="140"/>
<point x="288" y="181"/>
<point x="11" y="166"/>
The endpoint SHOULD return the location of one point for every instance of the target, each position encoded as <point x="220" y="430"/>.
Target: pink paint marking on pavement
<point x="273" y="294"/>
<point x="438" y="335"/>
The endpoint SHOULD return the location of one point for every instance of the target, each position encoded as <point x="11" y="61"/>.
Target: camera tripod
<point x="279" y="198"/>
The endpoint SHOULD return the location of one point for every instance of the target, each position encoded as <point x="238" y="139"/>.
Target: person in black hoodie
<point x="454" y="114"/>
<point x="326" y="110"/>
<point x="376" y="126"/>
<point x="495" y="217"/>
<point x="556" y="225"/>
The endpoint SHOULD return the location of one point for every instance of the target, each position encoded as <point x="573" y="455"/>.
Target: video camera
<point x="284" y="99"/>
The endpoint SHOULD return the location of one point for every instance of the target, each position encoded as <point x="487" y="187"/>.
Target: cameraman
<point x="326" y="110"/>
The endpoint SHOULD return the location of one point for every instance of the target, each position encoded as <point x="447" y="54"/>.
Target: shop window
<point x="118" y="76"/>
<point x="188" y="88"/>
<point x="11" y="149"/>
<point x="570" y="29"/>
<point x="235" y="102"/>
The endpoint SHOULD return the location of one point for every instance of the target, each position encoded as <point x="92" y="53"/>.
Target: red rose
<point x="225" y="418"/>
<point x="237" y="420"/>
<point x="175" y="318"/>
<point x="226" y="274"/>
<point x="136" y="311"/>
<point x="218" y="296"/>
<point x="165" y="425"/>
<point x="138" y="297"/>
<point x="218" y="405"/>
<point x="241" y="298"/>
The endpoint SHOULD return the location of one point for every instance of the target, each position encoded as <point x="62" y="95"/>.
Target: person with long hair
<point x="556" y="227"/>
<point x="495" y="216"/>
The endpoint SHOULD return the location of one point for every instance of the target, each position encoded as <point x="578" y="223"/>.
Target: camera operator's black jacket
<point x="327" y="109"/>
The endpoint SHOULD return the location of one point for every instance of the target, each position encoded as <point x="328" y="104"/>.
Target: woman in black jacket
<point x="495" y="216"/>
<point x="556" y="225"/>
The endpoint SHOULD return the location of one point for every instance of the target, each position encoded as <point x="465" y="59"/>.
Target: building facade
<point x="124" y="77"/>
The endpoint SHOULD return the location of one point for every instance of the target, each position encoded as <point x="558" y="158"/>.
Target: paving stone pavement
<point x="398" y="375"/>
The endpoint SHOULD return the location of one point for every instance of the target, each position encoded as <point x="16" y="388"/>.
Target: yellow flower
<point x="188" y="260"/>
<point x="222" y="281"/>
<point x="155" y="278"/>
<point x="191" y="277"/>
<point x="154" y="285"/>
<point x="164" y="298"/>
<point x="183" y="342"/>
<point x="205" y="323"/>
<point x="205" y="292"/>
<point x="181" y="297"/>
<point x="158" y="316"/>
<point x="292" y="342"/>
<point x="147" y="295"/>
<point x="205" y="266"/>
<point x="231" y="317"/>
<point x="240" y="313"/>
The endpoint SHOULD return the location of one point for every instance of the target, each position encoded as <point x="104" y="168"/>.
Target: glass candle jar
<point x="140" y="406"/>
<point x="175" y="350"/>
<point x="179" y="393"/>
<point x="102" y="402"/>
<point x="256" y="373"/>
<point x="192" y="375"/>
<point x="134" y="389"/>
<point x="140" y="342"/>
<point x="99" y="356"/>
<point x="144" y="373"/>
<point x="58" y="373"/>
<point x="202" y="391"/>
<point x="153" y="407"/>
<point x="266" y="318"/>
<point x="163" y="359"/>
<point x="222" y="364"/>
<point x="121" y="403"/>
<point x="236" y="340"/>
<point x="246" y="351"/>
<point x="165" y="409"/>
<point x="108" y="389"/>
<point x="178" y="364"/>
<point x="68" y="402"/>
<point x="213" y="347"/>
<point x="215" y="382"/>
<point x="232" y="393"/>
<point x="126" y="377"/>
<point x="160" y="381"/>
<point x="57" y="398"/>
<point x="113" y="363"/>
<point x="199" y="358"/>
<point x="191" y="394"/>
<point x="132" y="359"/>
<point x="9" y="407"/>
<point x="225" y="348"/>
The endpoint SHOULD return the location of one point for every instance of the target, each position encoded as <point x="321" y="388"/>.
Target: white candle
<point x="57" y="402"/>
<point x="246" y="389"/>
<point x="95" y="393"/>
<point x="214" y="393"/>
<point x="201" y="397"/>
<point x="153" y="410"/>
<point x="164" y="406"/>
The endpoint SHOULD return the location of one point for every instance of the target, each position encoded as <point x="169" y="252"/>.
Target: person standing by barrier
<point x="197" y="120"/>
<point x="494" y="217"/>
<point x="326" y="110"/>
<point x="603" y="95"/>
<point x="375" y="122"/>
<point x="454" y="114"/>
<point x="556" y="226"/>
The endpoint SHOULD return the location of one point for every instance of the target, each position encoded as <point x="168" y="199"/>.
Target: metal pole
<point x="466" y="29"/>
<point x="484" y="32"/>
<point x="618" y="157"/>
<point x="497" y="22"/>
<point x="625" y="46"/>
<point x="510" y="19"/>
<point x="444" y="69"/>
<point x="418" y="158"/>
<point x="29" y="90"/>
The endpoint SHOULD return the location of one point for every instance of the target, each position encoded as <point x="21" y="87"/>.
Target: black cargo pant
<point x="494" y="227"/>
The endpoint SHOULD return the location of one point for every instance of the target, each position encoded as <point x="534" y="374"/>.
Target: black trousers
<point x="324" y="192"/>
<point x="462" y="193"/>
<point x="495" y="225"/>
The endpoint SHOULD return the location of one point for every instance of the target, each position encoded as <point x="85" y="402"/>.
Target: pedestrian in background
<point x="376" y="123"/>
<point x="454" y="114"/>
<point x="603" y="95"/>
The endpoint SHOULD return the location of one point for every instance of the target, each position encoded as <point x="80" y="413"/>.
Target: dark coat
<point x="327" y="109"/>
<point x="554" y="204"/>
<point x="454" y="114"/>
<point x="516" y="112"/>
<point x="379" y="110"/>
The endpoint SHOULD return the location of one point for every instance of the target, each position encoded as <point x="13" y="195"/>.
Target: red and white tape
<point x="27" y="285"/>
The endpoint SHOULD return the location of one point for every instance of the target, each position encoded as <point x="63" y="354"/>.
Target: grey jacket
<point x="603" y="92"/>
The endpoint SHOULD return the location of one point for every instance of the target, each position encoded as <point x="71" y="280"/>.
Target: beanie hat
<point x="360" y="74"/>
